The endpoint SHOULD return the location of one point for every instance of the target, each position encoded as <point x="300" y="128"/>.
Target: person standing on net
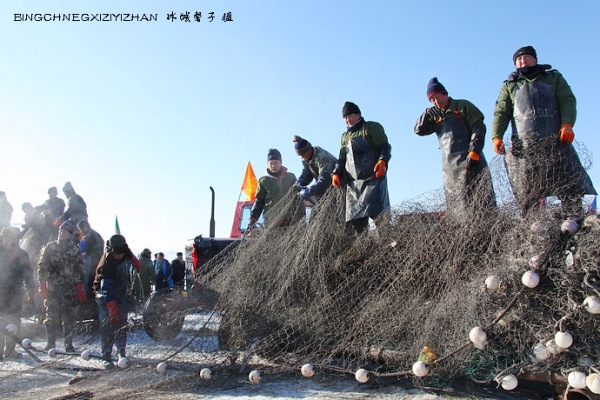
<point x="461" y="134"/>
<point x="541" y="160"/>
<point x="362" y="169"/>
<point x="317" y="165"/>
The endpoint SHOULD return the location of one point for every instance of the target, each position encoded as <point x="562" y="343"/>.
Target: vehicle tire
<point x="163" y="318"/>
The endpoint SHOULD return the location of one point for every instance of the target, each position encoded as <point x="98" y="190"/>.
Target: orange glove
<point x="472" y="159"/>
<point x="56" y="223"/>
<point x="380" y="168"/>
<point x="336" y="181"/>
<point x="44" y="289"/>
<point x="137" y="264"/>
<point x="498" y="145"/>
<point x="81" y="296"/>
<point x="566" y="133"/>
<point x="114" y="314"/>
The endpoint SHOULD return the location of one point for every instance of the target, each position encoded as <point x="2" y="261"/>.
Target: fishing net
<point x="410" y="288"/>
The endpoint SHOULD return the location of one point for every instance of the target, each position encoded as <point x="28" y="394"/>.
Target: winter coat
<point x="61" y="265"/>
<point x="461" y="130"/>
<point x="92" y="246"/>
<point x="147" y="276"/>
<point x="537" y="164"/>
<point x="271" y="189"/>
<point x="164" y="275"/>
<point x="76" y="209"/>
<point x="15" y="269"/>
<point x="112" y="281"/>
<point x="319" y="168"/>
<point x="178" y="272"/>
<point x="362" y="146"/>
<point x="55" y="205"/>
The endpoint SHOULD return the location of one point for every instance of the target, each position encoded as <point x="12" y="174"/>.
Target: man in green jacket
<point x="272" y="187"/>
<point x="461" y="134"/>
<point x="362" y="165"/>
<point x="541" y="161"/>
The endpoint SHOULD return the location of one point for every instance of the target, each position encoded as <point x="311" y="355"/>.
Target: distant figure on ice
<point x="17" y="274"/>
<point x="141" y="285"/>
<point x="178" y="266"/>
<point x="54" y="205"/>
<point x="164" y="272"/>
<point x="31" y="218"/>
<point x="111" y="285"/>
<point x="76" y="207"/>
<point x="61" y="276"/>
<point x="6" y="210"/>
<point x="362" y="165"/>
<point x="272" y="187"/>
<point x="92" y="248"/>
<point x="541" y="161"/>
<point x="317" y="165"/>
<point x="461" y="134"/>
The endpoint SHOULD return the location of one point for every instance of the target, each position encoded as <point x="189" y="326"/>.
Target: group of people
<point x="540" y="161"/>
<point x="78" y="266"/>
<point x="158" y="274"/>
<point x="75" y="266"/>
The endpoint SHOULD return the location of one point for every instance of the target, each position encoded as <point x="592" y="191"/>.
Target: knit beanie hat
<point x="524" y="50"/>
<point x="117" y="244"/>
<point x="273" y="154"/>
<point x="435" y="87"/>
<point x="350" y="108"/>
<point x="68" y="226"/>
<point x="302" y="146"/>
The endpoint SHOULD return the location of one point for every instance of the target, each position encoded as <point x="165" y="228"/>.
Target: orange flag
<point x="250" y="183"/>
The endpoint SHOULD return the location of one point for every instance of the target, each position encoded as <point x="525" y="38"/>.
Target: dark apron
<point x="537" y="164"/>
<point x="366" y="196"/>
<point x="463" y="188"/>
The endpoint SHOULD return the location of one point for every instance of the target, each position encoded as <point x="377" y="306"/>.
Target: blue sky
<point x="143" y="117"/>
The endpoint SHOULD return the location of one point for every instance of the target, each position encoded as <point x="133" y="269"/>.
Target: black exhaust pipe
<point x="212" y="214"/>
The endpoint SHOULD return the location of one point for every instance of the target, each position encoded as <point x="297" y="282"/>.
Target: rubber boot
<point x="68" y="331"/>
<point x="51" y="338"/>
<point x="69" y="345"/>
<point x="107" y="361"/>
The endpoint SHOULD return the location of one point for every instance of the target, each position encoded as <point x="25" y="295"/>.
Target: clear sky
<point x="142" y="117"/>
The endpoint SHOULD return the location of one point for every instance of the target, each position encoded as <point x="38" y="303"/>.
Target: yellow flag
<point x="250" y="183"/>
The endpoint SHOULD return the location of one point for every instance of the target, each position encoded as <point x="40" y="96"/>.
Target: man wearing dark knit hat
<point x="272" y="187"/>
<point x="362" y="166"/>
<point x="541" y="161"/>
<point x="111" y="285"/>
<point x="317" y="164"/>
<point x="461" y="134"/>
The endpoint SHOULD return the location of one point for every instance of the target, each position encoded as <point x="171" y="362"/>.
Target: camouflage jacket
<point x="61" y="265"/>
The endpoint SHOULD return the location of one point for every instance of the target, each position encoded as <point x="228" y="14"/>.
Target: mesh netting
<point x="311" y="293"/>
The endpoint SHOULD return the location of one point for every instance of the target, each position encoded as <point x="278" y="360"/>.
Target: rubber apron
<point x="463" y="187"/>
<point x="537" y="164"/>
<point x="366" y="196"/>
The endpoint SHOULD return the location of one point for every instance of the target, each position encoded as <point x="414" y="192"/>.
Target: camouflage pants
<point x="59" y="308"/>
